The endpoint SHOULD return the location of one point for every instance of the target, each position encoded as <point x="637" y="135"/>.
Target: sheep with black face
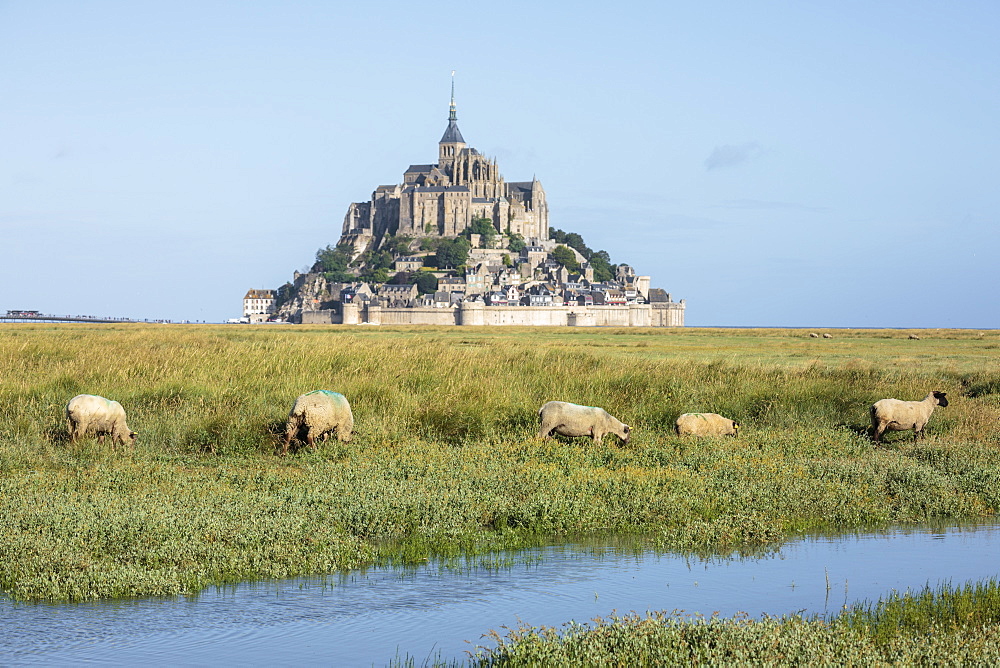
<point x="896" y="415"/>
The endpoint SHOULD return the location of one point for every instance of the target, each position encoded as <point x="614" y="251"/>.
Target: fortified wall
<point x="670" y="314"/>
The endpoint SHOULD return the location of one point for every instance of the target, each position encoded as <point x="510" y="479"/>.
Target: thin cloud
<point x="731" y="155"/>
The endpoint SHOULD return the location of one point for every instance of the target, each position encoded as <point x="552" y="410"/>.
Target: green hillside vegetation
<point x="374" y="266"/>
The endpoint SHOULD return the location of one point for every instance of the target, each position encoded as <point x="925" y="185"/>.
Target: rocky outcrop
<point x="310" y="292"/>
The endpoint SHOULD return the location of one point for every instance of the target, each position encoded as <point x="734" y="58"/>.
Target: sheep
<point x="827" y="335"/>
<point x="568" y="419"/>
<point x="320" y="412"/>
<point x="813" y="335"/>
<point x="706" y="424"/>
<point x="913" y="337"/>
<point x="896" y="415"/>
<point x="89" y="413"/>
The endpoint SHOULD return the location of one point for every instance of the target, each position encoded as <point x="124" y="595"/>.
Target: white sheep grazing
<point x="896" y="415"/>
<point x="91" y="414"/>
<point x="706" y="424"/>
<point x="827" y="335"/>
<point x="319" y="412"/>
<point x="568" y="419"/>
<point x="813" y="335"/>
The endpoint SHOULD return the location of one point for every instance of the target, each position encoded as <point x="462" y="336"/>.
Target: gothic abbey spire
<point x="442" y="199"/>
<point x="452" y="142"/>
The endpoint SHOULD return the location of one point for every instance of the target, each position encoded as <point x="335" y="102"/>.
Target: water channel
<point x="367" y="618"/>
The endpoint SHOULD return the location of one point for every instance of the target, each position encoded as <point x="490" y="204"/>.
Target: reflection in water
<point x="365" y="618"/>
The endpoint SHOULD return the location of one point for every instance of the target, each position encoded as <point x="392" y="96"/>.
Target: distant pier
<point x="35" y="316"/>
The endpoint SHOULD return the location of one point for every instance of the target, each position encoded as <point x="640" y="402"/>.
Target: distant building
<point x="258" y="302"/>
<point x="500" y="271"/>
<point x="408" y="263"/>
<point x="399" y="295"/>
<point x="444" y="198"/>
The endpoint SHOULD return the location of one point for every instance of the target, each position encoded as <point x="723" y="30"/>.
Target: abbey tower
<point x="443" y="199"/>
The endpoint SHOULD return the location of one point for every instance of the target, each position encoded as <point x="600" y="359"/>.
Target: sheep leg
<point x="310" y="439"/>
<point x="77" y="431"/>
<point x="878" y="430"/>
<point x="292" y="428"/>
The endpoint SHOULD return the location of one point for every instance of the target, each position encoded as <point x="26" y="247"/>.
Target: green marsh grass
<point x="945" y="625"/>
<point x="444" y="460"/>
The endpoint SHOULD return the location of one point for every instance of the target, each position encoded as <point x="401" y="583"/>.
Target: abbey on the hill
<point x="444" y="199"/>
<point x="456" y="244"/>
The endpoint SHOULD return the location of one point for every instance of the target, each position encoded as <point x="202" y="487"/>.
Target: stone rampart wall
<point x="472" y="313"/>
<point x="412" y="316"/>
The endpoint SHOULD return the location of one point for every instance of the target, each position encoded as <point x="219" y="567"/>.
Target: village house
<point x="496" y="298"/>
<point x="608" y="297"/>
<point x="258" y="304"/>
<point x="397" y="296"/>
<point x="408" y="263"/>
<point x="452" y="284"/>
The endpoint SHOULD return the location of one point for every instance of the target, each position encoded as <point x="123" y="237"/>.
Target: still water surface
<point x="367" y="618"/>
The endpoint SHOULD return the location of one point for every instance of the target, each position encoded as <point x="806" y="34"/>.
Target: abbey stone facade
<point x="443" y="199"/>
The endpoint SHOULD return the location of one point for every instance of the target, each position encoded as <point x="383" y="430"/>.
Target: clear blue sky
<point x="774" y="163"/>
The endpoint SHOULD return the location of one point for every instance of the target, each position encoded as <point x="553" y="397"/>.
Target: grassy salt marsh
<point x="444" y="459"/>
<point x="947" y="625"/>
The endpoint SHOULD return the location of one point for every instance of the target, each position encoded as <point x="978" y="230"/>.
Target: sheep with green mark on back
<point x="318" y="413"/>
<point x="91" y="414"/>
<point x="568" y="419"/>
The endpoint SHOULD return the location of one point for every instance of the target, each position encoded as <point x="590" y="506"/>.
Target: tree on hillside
<point x="452" y="252"/>
<point x="397" y="245"/>
<point x="283" y="294"/>
<point x="565" y="257"/>
<point x="427" y="283"/>
<point x="484" y="228"/>
<point x="332" y="262"/>
<point x="332" y="258"/>
<point x="516" y="243"/>
<point x="601" y="264"/>
<point x="379" y="275"/>
<point x="574" y="240"/>
<point x="381" y="260"/>
<point x="599" y="261"/>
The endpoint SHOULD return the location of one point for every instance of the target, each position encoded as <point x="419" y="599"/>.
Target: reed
<point x="944" y="625"/>
<point x="444" y="460"/>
